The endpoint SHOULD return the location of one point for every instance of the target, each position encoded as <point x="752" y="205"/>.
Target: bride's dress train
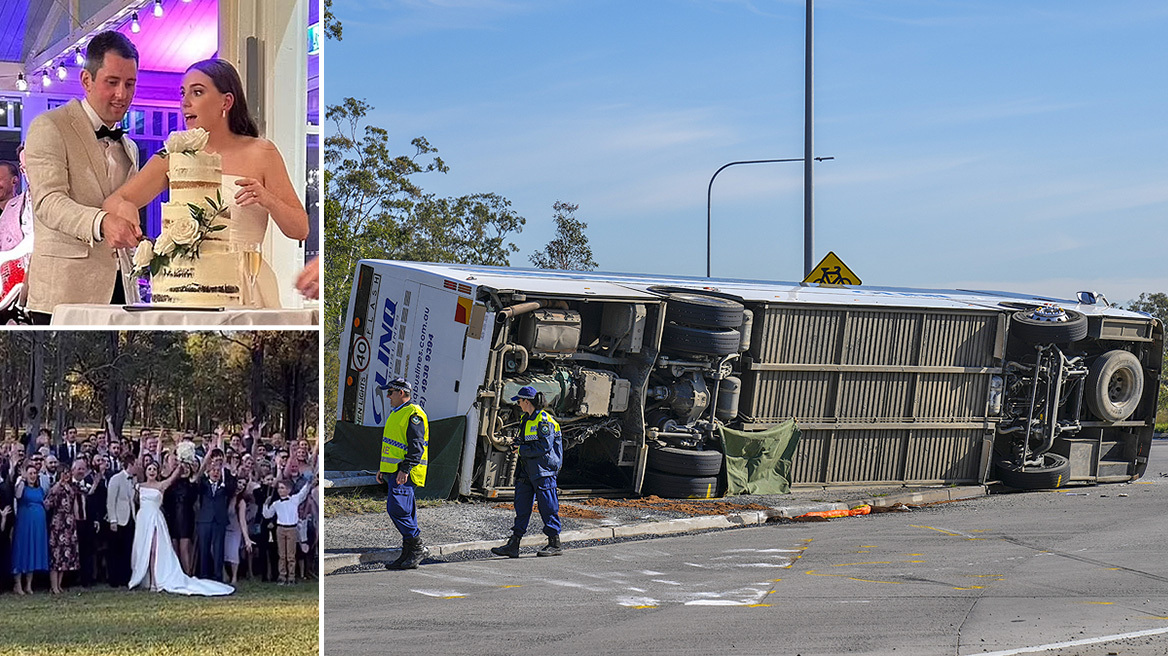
<point x="150" y="524"/>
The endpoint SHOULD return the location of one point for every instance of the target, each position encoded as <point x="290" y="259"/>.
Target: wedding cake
<point x="191" y="263"/>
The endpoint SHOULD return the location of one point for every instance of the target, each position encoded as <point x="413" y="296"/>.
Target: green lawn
<point x="259" y="619"/>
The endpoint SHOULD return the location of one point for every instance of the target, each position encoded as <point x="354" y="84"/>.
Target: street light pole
<point x="808" y="154"/>
<point x="710" y="190"/>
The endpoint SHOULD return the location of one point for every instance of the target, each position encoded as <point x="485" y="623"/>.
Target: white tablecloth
<point x="116" y="315"/>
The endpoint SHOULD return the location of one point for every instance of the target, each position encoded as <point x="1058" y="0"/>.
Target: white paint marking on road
<point x="636" y="589"/>
<point x="776" y="565"/>
<point x="697" y="565"/>
<point x="649" y="572"/>
<point x="666" y="581"/>
<point x="637" y="602"/>
<point x="439" y="593"/>
<point x="714" y="602"/>
<point x="1077" y="643"/>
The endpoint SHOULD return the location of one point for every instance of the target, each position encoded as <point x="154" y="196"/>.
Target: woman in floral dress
<point x="65" y="504"/>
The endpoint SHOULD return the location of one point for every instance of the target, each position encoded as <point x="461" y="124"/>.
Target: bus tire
<point x="701" y="311"/>
<point x="1115" y="385"/>
<point x="700" y="341"/>
<point x="673" y="486"/>
<point x="1034" y="331"/>
<point x="1055" y="471"/>
<point x="684" y="462"/>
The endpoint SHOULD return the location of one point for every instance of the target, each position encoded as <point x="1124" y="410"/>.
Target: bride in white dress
<point x="153" y="559"/>
<point x="255" y="179"/>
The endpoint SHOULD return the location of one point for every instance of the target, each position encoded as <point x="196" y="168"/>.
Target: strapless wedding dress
<point x="248" y="226"/>
<point x="150" y="525"/>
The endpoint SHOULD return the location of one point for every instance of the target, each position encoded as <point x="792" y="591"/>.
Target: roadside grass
<point x="344" y="502"/>
<point x="259" y="619"/>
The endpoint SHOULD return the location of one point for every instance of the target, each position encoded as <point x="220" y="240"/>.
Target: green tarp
<point x="358" y="448"/>
<point x="760" y="462"/>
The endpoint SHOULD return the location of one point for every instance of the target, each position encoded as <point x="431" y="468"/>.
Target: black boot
<point x="401" y="558"/>
<point x="511" y="549"/>
<point x="416" y="554"/>
<point x="552" y="548"/>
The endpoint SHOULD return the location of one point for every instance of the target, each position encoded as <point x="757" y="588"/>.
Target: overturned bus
<point x="886" y="385"/>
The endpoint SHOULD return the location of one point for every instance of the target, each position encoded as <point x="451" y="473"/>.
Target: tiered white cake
<point x="213" y="277"/>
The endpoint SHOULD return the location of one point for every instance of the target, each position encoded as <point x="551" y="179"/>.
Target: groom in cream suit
<point x="120" y="516"/>
<point x="76" y="156"/>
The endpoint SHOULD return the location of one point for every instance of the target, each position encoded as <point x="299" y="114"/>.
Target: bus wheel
<point x="686" y="462"/>
<point x="672" y="486"/>
<point x="694" y="309"/>
<point x="1048" y="325"/>
<point x="1115" y="385"/>
<point x="700" y="341"/>
<point x="1052" y="473"/>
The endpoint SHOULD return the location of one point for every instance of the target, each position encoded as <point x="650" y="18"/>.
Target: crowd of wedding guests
<point x="67" y="506"/>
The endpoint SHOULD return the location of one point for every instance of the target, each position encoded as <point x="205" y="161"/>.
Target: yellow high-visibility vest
<point x="393" y="442"/>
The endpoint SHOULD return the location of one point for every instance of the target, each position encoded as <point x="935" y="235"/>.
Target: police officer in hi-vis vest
<point x="404" y="454"/>
<point x="541" y="453"/>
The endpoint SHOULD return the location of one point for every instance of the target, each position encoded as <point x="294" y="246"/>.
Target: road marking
<point x="511" y="586"/>
<point x="875" y="562"/>
<point x="972" y="587"/>
<point x="445" y="594"/>
<point x="758" y="605"/>
<point x="1098" y="603"/>
<point x="812" y="572"/>
<point x="947" y="532"/>
<point x="1077" y="643"/>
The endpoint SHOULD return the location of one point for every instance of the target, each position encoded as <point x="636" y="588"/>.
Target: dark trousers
<point x="117" y="298"/>
<point x="120" y="551"/>
<point x="210" y="537"/>
<point x="86" y="550"/>
<point x="543" y="491"/>
<point x="401" y="507"/>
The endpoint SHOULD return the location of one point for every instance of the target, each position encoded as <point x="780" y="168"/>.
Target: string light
<point x="135" y="27"/>
<point x="45" y="80"/>
<point x="158" y="8"/>
<point x="61" y="72"/>
<point x="78" y="58"/>
<point x="21" y="83"/>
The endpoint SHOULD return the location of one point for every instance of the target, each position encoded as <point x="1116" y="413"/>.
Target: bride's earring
<point x="223" y="114"/>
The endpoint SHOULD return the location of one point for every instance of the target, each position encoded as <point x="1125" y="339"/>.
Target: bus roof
<point x="633" y="285"/>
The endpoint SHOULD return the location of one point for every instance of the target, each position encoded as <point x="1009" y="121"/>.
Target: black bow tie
<point x="105" y="133"/>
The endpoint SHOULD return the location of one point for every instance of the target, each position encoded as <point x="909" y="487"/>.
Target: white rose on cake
<point x="144" y="254"/>
<point x="164" y="245"/>
<point x="184" y="232"/>
<point x="186" y="141"/>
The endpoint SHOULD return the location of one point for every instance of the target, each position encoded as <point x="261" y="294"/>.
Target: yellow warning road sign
<point x="832" y="271"/>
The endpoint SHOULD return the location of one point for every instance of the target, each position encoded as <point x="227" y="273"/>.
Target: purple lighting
<point x="188" y="33"/>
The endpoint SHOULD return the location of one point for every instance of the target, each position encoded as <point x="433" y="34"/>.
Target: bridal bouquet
<point x="181" y="238"/>
<point x="186" y="452"/>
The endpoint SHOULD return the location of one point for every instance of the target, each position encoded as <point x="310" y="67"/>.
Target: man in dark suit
<point x="216" y="486"/>
<point x="92" y="534"/>
<point x="69" y="449"/>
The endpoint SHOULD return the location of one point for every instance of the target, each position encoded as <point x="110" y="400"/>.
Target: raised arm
<point x="172" y="461"/>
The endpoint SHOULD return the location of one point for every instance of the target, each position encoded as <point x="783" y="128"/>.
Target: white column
<point x="281" y="29"/>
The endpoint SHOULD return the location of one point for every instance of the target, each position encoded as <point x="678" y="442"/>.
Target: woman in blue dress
<point x="30" y="541"/>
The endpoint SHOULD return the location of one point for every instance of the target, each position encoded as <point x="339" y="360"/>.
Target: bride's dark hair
<point x="226" y="80"/>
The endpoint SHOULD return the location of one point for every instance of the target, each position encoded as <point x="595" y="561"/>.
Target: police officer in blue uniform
<point x="541" y="453"/>
<point x="404" y="456"/>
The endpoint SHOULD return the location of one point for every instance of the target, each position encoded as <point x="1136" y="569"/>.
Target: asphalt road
<point x="1006" y="574"/>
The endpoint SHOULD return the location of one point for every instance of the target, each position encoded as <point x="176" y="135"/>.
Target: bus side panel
<point x="882" y="395"/>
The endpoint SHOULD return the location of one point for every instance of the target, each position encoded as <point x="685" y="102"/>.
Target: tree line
<point x="186" y="381"/>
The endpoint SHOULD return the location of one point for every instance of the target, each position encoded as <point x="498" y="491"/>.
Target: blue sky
<point x="984" y="144"/>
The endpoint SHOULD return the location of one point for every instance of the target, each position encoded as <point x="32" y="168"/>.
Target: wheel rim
<point x="1048" y="314"/>
<point x="1119" y="387"/>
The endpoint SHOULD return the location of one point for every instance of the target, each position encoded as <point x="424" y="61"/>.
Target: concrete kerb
<point x="333" y="562"/>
